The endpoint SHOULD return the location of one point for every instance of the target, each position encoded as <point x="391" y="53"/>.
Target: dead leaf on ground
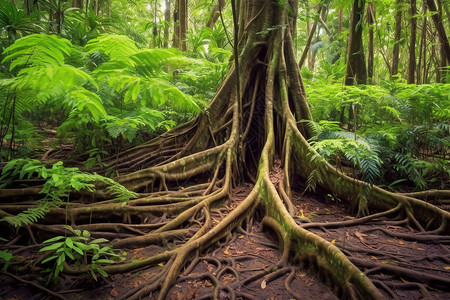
<point x="114" y="293"/>
<point x="263" y="284"/>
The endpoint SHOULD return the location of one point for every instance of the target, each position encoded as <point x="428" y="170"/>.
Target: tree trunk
<point x="356" y="65"/>
<point x="397" y="37"/>
<point x="311" y="30"/>
<point x="412" y="43"/>
<point x="371" y="23"/>
<point x="422" y="48"/>
<point x="166" y="27"/>
<point x="215" y="13"/>
<point x="183" y="11"/>
<point x="437" y="20"/>
<point x="176" y="25"/>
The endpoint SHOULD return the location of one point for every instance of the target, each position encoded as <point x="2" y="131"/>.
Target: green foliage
<point x="16" y="23"/>
<point x="60" y="181"/>
<point x="80" y="249"/>
<point x="5" y="258"/>
<point x="402" y="130"/>
<point x="141" y="74"/>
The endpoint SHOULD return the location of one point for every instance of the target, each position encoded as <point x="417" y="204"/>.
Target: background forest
<point x="82" y="81"/>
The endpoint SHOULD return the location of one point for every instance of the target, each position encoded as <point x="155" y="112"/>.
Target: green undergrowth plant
<point x="392" y="130"/>
<point x="108" y="93"/>
<point x="5" y="259"/>
<point x="60" y="182"/>
<point x="80" y="248"/>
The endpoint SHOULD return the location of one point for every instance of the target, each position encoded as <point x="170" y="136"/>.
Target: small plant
<point x="60" y="182"/>
<point x="5" y="258"/>
<point x="80" y="249"/>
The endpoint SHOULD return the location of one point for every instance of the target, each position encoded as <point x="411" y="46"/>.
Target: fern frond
<point x="117" y="47"/>
<point x="38" y="50"/>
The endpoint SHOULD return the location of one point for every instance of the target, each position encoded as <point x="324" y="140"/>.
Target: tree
<point x="215" y="13"/>
<point x="371" y="24"/>
<point x="228" y="144"/>
<point x="437" y="19"/>
<point x="412" y="43"/>
<point x="397" y="37"/>
<point x="356" y="64"/>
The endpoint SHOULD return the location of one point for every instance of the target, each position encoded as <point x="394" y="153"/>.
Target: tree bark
<point x="412" y="43"/>
<point x="356" y="66"/>
<point x="437" y="20"/>
<point x="215" y="13"/>
<point x="397" y="37"/>
<point x="311" y="30"/>
<point x="176" y="25"/>
<point x="183" y="11"/>
<point x="166" y="27"/>
<point x="371" y="23"/>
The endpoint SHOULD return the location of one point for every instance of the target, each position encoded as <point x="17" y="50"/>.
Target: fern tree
<point x="252" y="125"/>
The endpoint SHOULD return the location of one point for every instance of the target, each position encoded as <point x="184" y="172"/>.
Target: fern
<point x="60" y="182"/>
<point x="37" y="50"/>
<point x="406" y="164"/>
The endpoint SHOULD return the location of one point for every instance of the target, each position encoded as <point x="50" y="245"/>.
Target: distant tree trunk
<point x="422" y="49"/>
<point x="311" y="28"/>
<point x="412" y="43"/>
<point x="77" y="3"/>
<point x="340" y="20"/>
<point x="27" y="6"/>
<point x="371" y="23"/>
<point x="440" y="75"/>
<point x="437" y="20"/>
<point x="180" y="18"/>
<point x="176" y="25"/>
<point x="356" y="65"/>
<point x="215" y="13"/>
<point x="166" y="27"/>
<point x="397" y="36"/>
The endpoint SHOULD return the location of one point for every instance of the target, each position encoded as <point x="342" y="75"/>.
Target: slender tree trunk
<point x="356" y="65"/>
<point x="421" y="64"/>
<point x="371" y="23"/>
<point x="183" y="24"/>
<point x="412" y="43"/>
<point x="437" y="20"/>
<point x="311" y="30"/>
<point x="176" y="25"/>
<point x="215" y="13"/>
<point x="166" y="27"/>
<point x="340" y="11"/>
<point x="397" y="37"/>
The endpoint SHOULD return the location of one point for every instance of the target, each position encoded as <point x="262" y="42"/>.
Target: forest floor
<point x="401" y="263"/>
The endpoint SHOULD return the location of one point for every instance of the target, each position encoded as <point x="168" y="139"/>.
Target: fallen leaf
<point x="447" y="267"/>
<point x="333" y="241"/>
<point x="241" y="237"/>
<point x="114" y="293"/>
<point x="401" y="242"/>
<point x="263" y="284"/>
<point x="374" y="258"/>
<point x="226" y="251"/>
